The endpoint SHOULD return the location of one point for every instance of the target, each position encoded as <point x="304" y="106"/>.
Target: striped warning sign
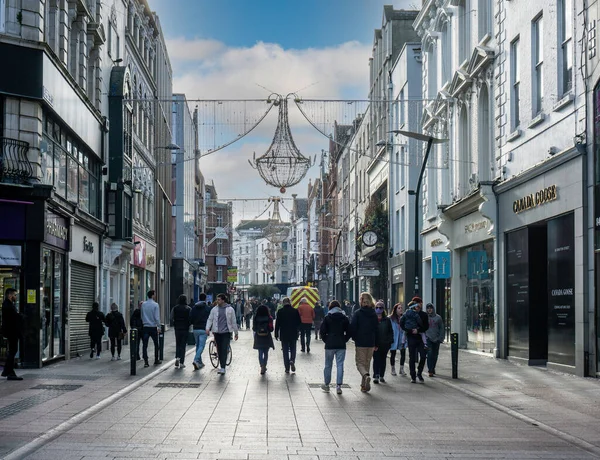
<point x="311" y="294"/>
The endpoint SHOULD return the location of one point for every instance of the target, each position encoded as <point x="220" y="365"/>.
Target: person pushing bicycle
<point x="222" y="322"/>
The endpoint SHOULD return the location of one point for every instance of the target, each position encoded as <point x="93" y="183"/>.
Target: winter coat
<point x="398" y="335"/>
<point x="199" y="315"/>
<point x="136" y="319"/>
<point x="422" y="328"/>
<point x="385" y="336"/>
<point x="115" y="323"/>
<point x="263" y="341"/>
<point x="365" y="327"/>
<point x="319" y="313"/>
<point x="96" y="320"/>
<point x="180" y="315"/>
<point x="307" y="313"/>
<point x="287" y="324"/>
<point x="436" y="332"/>
<point x="12" y="321"/>
<point x="335" y="330"/>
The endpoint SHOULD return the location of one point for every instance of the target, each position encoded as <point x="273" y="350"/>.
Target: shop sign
<point x="536" y="199"/>
<point x="88" y="246"/>
<point x="232" y="273"/>
<point x="139" y="252"/>
<point x="477" y="265"/>
<point x="441" y="265"/>
<point x="372" y="264"/>
<point x="397" y="274"/>
<point x="150" y="260"/>
<point x="57" y="231"/>
<point x="436" y="242"/>
<point x="10" y="255"/>
<point x="476" y="226"/>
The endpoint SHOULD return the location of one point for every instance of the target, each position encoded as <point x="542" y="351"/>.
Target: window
<point x="402" y="229"/>
<point x="402" y="167"/>
<point x="464" y="30"/>
<point x="537" y="48"/>
<point x="284" y="277"/>
<point x="284" y="246"/>
<point x="219" y="221"/>
<point x="485" y="13"/>
<point x="431" y="74"/>
<point x="2" y="15"/>
<point x="397" y="169"/>
<point x="284" y="260"/>
<point x="402" y="107"/>
<point x="127" y="227"/>
<point x="397" y="232"/>
<point x="565" y="43"/>
<point x="219" y="247"/>
<point x="219" y="274"/>
<point x="515" y="83"/>
<point x="113" y="41"/>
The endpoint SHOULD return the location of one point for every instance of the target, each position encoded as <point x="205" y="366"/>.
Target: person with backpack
<point x="414" y="328"/>
<point x="96" y="329"/>
<point x="364" y="329"/>
<point x="198" y="318"/>
<point x="263" y="340"/>
<point x="286" y="329"/>
<point x="385" y="338"/>
<point x="116" y="330"/>
<point x="319" y="316"/>
<point x="136" y="323"/>
<point x="180" y="315"/>
<point x="335" y="332"/>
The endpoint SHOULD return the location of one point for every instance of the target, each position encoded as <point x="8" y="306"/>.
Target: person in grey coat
<point x="435" y="336"/>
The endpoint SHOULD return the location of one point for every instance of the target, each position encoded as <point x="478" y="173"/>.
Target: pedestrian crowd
<point x="377" y="336"/>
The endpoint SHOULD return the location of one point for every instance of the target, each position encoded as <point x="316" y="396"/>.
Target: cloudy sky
<point x="242" y="49"/>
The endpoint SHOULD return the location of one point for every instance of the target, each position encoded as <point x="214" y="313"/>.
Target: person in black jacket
<point x="96" y="329"/>
<point x="385" y="338"/>
<point x="180" y="315"/>
<point x="286" y="330"/>
<point x="262" y="325"/>
<point x="415" y="342"/>
<point x="198" y="317"/>
<point x="335" y="332"/>
<point x="137" y="323"/>
<point x="364" y="330"/>
<point x="116" y="330"/>
<point x="12" y="330"/>
<point x="319" y="316"/>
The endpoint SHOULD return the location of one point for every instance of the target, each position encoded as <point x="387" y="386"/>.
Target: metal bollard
<point x="161" y="342"/>
<point x="454" y="350"/>
<point x="133" y="340"/>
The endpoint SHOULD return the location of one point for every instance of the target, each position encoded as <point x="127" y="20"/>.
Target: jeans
<point x="305" y="333"/>
<point x="393" y="357"/>
<point x="200" y="338"/>
<point x="318" y="323"/>
<point x="263" y="356"/>
<point x="379" y="361"/>
<point x="432" y="355"/>
<point x="115" y="341"/>
<point x="289" y="353"/>
<point x="222" y="341"/>
<point x="181" y="336"/>
<point x="150" y="332"/>
<point x="340" y="357"/>
<point x="416" y="349"/>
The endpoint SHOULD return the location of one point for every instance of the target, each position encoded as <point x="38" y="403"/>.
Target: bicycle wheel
<point x="229" y="355"/>
<point x="212" y="352"/>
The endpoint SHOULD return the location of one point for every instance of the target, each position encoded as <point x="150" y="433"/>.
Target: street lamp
<point x="430" y="141"/>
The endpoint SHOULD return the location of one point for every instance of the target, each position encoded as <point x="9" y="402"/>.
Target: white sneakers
<point x="221" y="371"/>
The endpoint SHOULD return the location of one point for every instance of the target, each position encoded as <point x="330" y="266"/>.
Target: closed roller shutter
<point x="83" y="295"/>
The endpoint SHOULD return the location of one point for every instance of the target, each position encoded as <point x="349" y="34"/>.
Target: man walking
<point x="435" y="336"/>
<point x="416" y="348"/>
<point x="286" y="330"/>
<point x="181" y="323"/>
<point x="307" y="316"/>
<point x="198" y="317"/>
<point x="335" y="332"/>
<point x="151" y="322"/>
<point x="12" y="330"/>
<point x="136" y="323"/>
<point x="222" y="322"/>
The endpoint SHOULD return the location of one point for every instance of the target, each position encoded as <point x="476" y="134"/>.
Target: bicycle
<point x="214" y="356"/>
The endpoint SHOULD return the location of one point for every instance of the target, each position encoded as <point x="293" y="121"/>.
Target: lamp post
<point x="430" y="141"/>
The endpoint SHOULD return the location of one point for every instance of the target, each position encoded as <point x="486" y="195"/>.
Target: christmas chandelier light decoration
<point x="276" y="231"/>
<point x="282" y="165"/>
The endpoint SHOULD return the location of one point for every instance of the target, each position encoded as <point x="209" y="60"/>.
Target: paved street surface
<point x="92" y="409"/>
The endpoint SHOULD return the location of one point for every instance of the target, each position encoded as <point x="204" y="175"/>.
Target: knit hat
<point x="380" y="304"/>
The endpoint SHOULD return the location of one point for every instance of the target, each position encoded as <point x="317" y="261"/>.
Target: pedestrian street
<point x="186" y="414"/>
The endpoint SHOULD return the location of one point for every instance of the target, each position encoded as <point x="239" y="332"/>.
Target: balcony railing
<point x="14" y="165"/>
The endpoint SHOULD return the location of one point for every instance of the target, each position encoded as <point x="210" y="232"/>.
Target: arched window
<point x="483" y="129"/>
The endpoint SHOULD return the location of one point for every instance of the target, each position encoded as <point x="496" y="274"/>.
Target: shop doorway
<point x="52" y="304"/>
<point x="442" y="303"/>
<point x="9" y="278"/>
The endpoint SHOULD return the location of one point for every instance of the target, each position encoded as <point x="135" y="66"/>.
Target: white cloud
<point x="208" y="69"/>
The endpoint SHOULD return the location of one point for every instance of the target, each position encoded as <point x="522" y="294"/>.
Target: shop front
<point x="84" y="263"/>
<point x="437" y="270"/>
<point x="542" y="251"/>
<point x="471" y="283"/>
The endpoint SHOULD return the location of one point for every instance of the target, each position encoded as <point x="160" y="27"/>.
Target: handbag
<point x="121" y="335"/>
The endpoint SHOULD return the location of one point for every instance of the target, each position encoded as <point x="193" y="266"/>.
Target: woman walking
<point x="398" y="343"/>
<point x="385" y="338"/>
<point x="364" y="331"/>
<point x="96" y="329"/>
<point x="116" y="330"/>
<point x="263" y="339"/>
